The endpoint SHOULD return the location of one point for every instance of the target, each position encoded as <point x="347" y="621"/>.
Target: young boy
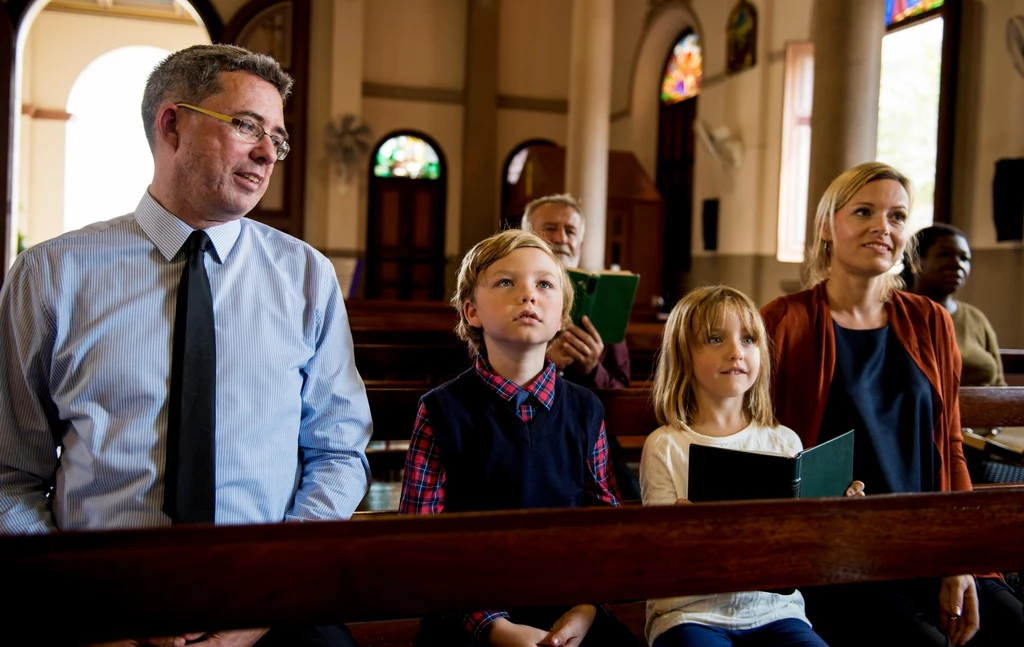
<point x="510" y="434"/>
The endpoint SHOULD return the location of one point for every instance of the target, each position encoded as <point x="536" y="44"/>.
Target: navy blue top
<point x="880" y="392"/>
<point x="494" y="460"/>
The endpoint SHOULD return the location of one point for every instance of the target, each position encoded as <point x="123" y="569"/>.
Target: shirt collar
<point x="169" y="233"/>
<point x="542" y="387"/>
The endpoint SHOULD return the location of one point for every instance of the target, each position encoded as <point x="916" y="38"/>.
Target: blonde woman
<point x="853" y="351"/>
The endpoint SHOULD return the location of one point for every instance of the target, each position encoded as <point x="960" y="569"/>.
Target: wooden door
<point x="405" y="239"/>
<point x="675" y="183"/>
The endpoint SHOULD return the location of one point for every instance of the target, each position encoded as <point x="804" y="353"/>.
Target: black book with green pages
<point x="605" y="297"/>
<point x="718" y="474"/>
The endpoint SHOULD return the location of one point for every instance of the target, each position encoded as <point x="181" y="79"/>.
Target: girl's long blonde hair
<point x="688" y="327"/>
<point x="818" y="256"/>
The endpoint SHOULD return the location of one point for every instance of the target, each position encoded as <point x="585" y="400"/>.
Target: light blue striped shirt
<point x="85" y="346"/>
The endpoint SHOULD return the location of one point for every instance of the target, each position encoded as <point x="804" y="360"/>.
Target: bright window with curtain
<point x="796" y="151"/>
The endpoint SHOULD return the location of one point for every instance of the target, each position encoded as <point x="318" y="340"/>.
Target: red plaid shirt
<point x="423" y="484"/>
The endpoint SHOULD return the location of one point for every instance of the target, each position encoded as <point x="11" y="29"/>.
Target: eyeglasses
<point x="250" y="131"/>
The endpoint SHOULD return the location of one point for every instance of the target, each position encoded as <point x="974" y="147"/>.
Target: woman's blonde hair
<point x="689" y="325"/>
<point x="818" y="256"/>
<point x="483" y="255"/>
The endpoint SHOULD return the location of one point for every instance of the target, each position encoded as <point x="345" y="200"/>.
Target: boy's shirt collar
<point x="542" y="387"/>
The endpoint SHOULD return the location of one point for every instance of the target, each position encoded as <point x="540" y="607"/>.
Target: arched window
<point x="899" y="10"/>
<point x="407" y="156"/>
<point x="681" y="79"/>
<point x="108" y="164"/>
<point x="510" y="174"/>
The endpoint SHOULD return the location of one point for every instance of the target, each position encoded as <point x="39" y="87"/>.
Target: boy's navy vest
<point x="495" y="461"/>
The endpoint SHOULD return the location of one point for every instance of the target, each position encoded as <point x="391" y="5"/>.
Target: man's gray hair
<point x="193" y="74"/>
<point x="560" y="199"/>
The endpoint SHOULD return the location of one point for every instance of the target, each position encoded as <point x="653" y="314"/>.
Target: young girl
<point x="712" y="388"/>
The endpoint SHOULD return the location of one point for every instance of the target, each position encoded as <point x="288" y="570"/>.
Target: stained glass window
<point x="683" y="72"/>
<point x="407" y="156"/>
<point x="899" y="10"/>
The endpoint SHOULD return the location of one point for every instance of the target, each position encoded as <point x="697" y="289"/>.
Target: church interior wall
<point x="411" y="43"/>
<point x="990" y="101"/>
<point x="48" y="75"/>
<point x="420" y="45"/>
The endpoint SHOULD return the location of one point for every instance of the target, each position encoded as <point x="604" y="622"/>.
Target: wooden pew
<point x="629" y="412"/>
<point x="629" y="415"/>
<point x="80" y="587"/>
<point x="428" y="365"/>
<point x="1013" y="365"/>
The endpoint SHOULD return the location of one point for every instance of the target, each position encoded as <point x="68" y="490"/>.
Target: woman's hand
<point x="856" y="489"/>
<point x="958" y="608"/>
<point x="683" y="501"/>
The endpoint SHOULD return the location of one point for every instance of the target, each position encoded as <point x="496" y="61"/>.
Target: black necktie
<point x="191" y="453"/>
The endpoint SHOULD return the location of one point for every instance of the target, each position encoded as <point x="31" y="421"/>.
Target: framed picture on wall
<point x="741" y="37"/>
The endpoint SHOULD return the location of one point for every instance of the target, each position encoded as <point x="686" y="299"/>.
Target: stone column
<point x="590" y="90"/>
<point x="480" y="179"/>
<point x="847" y="73"/>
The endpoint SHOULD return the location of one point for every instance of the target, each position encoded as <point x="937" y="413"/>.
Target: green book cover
<point x="607" y="298"/>
<point x="719" y="474"/>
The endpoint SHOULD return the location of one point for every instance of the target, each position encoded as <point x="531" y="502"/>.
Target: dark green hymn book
<point x="718" y="474"/>
<point x="607" y="298"/>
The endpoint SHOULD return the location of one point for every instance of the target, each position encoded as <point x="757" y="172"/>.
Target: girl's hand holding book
<point x="856" y="489"/>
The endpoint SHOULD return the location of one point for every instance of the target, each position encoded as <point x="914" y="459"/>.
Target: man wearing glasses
<point x="183" y="364"/>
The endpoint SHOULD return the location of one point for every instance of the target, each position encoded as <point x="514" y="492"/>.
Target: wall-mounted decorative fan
<point x="723" y="147"/>
<point x="347" y="142"/>
<point x="1015" y="42"/>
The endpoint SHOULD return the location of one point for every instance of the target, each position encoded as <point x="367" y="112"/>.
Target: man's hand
<point x="556" y="351"/>
<point x="239" y="638"/>
<point x="164" y="641"/>
<point x="958" y="608"/>
<point x="572" y="627"/>
<point x="504" y="633"/>
<point x="584" y="345"/>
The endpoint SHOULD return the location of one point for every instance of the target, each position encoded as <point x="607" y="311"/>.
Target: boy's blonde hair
<point x="688" y="327"/>
<point x="818" y="257"/>
<point x="483" y="255"/>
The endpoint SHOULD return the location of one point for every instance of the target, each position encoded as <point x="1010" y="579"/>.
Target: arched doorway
<point x="107" y="161"/>
<point x="680" y="86"/>
<point x="510" y="172"/>
<point x="47" y="110"/>
<point x="405" y="229"/>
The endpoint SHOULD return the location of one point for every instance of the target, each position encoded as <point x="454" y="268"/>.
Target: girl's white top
<point x="664" y="474"/>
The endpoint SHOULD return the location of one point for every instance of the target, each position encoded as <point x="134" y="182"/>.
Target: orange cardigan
<point x="804" y="357"/>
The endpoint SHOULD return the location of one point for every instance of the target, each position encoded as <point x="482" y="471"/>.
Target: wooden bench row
<point x="629" y="416"/>
<point x="147" y="582"/>
<point x="629" y="412"/>
<point x="432" y="358"/>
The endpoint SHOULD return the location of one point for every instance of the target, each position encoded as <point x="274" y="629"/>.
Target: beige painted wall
<point x="443" y="122"/>
<point x="57" y="48"/>
<point x="533" y="48"/>
<point x="417" y="43"/>
<point x="533" y="62"/>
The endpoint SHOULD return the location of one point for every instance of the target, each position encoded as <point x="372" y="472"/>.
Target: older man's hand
<point x="583" y="345"/>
